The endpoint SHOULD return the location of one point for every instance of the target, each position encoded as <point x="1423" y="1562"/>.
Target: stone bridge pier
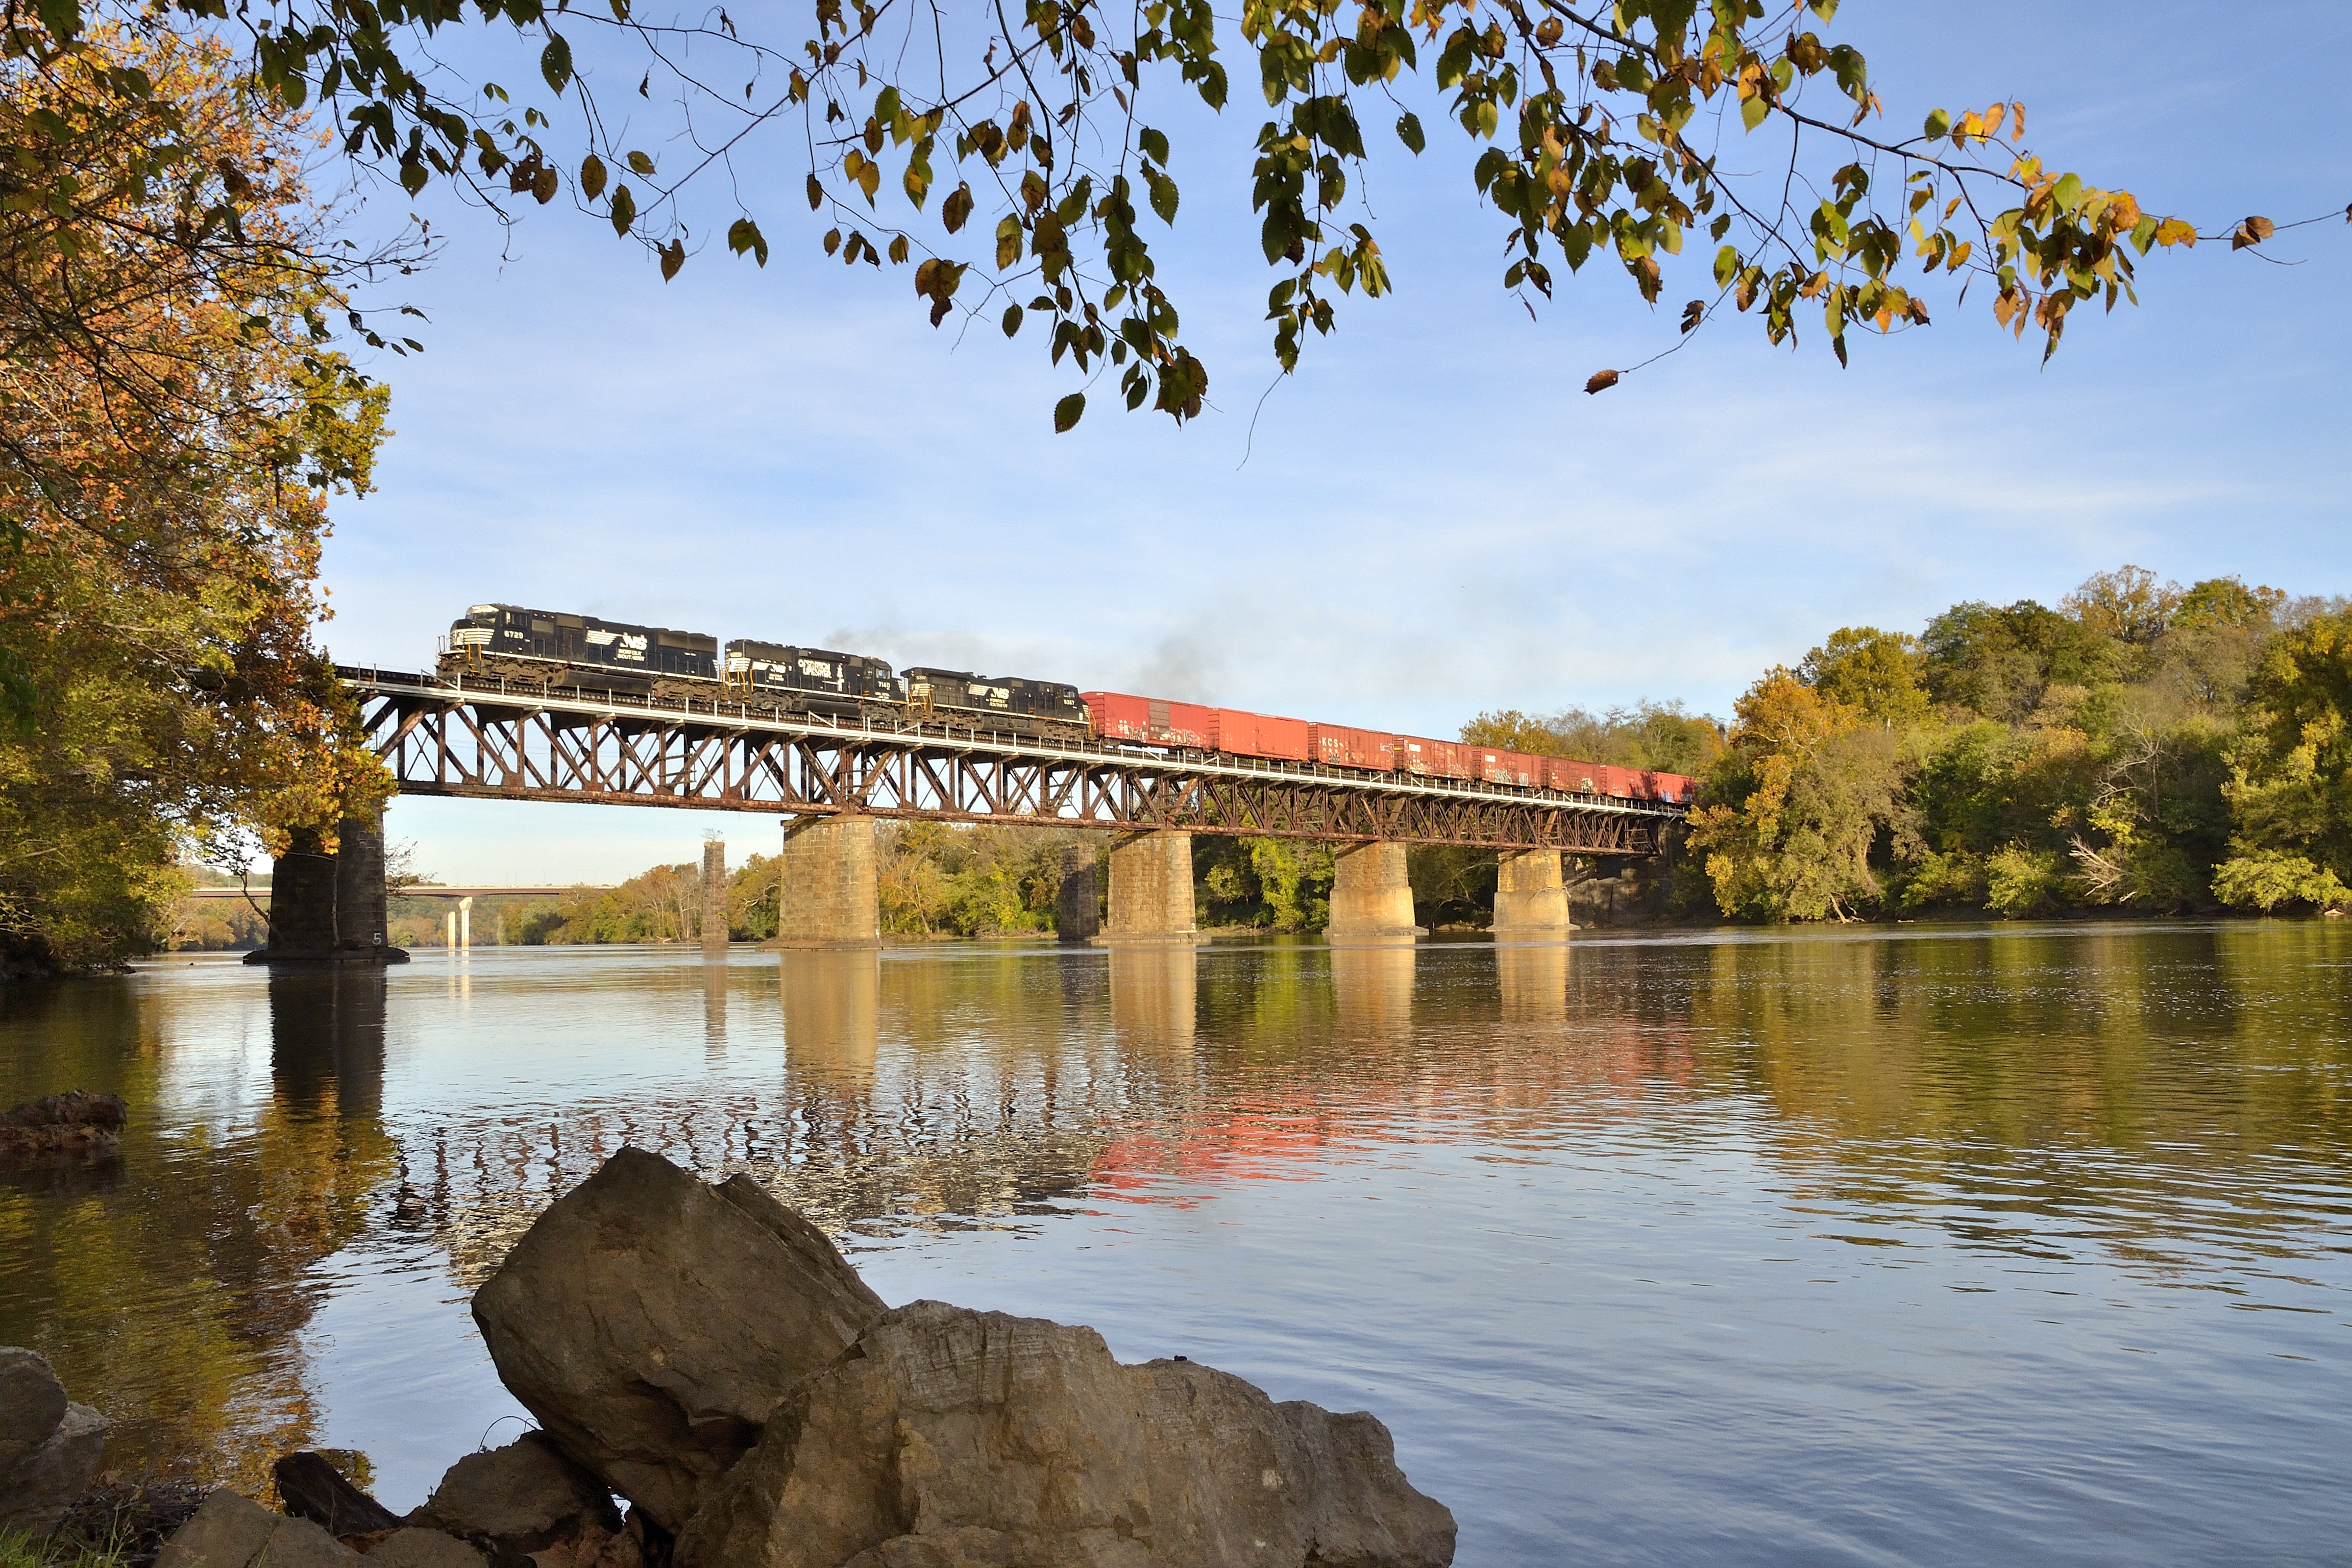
<point x="826" y="895"/>
<point x="329" y="907"/>
<point x="1151" y="892"/>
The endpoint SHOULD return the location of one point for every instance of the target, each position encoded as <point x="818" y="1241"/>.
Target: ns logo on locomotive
<point x="588" y="655"/>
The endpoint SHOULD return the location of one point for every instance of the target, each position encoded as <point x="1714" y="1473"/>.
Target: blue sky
<point x="1432" y="518"/>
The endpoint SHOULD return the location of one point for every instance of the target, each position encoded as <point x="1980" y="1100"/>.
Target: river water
<point x="1929" y="1245"/>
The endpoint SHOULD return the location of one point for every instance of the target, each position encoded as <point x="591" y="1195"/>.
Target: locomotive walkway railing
<point x="490" y="739"/>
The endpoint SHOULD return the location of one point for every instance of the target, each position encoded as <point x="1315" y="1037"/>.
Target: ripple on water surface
<point x="1938" y="1245"/>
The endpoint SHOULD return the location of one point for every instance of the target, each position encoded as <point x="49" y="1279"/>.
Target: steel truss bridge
<point x="492" y="740"/>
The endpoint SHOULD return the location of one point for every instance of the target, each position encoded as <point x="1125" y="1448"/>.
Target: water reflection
<point x="173" y="1293"/>
<point x="832" y="1010"/>
<point x="1155" y="996"/>
<point x="2141" y="1109"/>
<point x="1531" y="982"/>
<point x="714" y="1005"/>
<point x="1372" y="985"/>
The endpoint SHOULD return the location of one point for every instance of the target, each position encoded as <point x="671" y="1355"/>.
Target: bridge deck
<point x="490" y="738"/>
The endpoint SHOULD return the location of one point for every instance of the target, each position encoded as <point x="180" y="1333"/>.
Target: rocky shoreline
<point x="717" y="1388"/>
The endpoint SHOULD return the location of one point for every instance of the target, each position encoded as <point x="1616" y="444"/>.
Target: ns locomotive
<point x="544" y="646"/>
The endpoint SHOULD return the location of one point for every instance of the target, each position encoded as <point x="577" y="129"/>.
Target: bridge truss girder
<point x="507" y="748"/>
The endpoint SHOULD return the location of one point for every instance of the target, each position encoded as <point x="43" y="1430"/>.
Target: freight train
<point x="590" y="654"/>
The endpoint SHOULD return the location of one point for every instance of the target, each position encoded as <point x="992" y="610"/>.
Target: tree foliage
<point x="2291" y="791"/>
<point x="169" y="426"/>
<point x="1732" y="149"/>
<point x="1665" y="736"/>
<point x="2142" y="747"/>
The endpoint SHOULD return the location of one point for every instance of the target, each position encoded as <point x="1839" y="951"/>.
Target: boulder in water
<point x="953" y="1439"/>
<point x="651" y="1323"/>
<point x="50" y="1448"/>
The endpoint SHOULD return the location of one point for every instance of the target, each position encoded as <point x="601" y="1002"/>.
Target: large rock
<point x="418" y="1548"/>
<point x="518" y="1500"/>
<point x="51" y="1448"/>
<point x="651" y="1323"/>
<point x="233" y="1531"/>
<point x="32" y="1402"/>
<point x="952" y="1438"/>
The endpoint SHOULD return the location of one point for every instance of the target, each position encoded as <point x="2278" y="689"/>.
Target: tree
<point x="169" y="426"/>
<point x="1006" y="164"/>
<point x="2291" y="794"/>
<point x="1874" y="672"/>
<point x="1665" y="736"/>
<point x="1791" y="814"/>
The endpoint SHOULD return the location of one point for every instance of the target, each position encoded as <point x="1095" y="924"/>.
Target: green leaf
<point x="624" y="210"/>
<point x="1067" y="411"/>
<point x="1011" y="320"/>
<point x="592" y="176"/>
<point x="815" y="193"/>
<point x="673" y="256"/>
<point x="641" y="164"/>
<point x="1938" y="126"/>
<point x="744" y="235"/>
<point x="1163" y="194"/>
<point x="62" y="19"/>
<point x="1409" y="131"/>
<point x="555" y="62"/>
<point x="1752" y="112"/>
<point x="1825" y="9"/>
<point x="1727" y="266"/>
<point x="1154" y="145"/>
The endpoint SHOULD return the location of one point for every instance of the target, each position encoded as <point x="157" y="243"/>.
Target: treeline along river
<point x="1920" y="1244"/>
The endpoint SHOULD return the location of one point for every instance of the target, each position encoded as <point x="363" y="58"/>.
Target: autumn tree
<point x="170" y="425"/>
<point x="1873" y="672"/>
<point x="1019" y="164"/>
<point x="2291" y="794"/>
<point x="1795" y="809"/>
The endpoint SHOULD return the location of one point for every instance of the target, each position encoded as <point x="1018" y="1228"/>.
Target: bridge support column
<point x="714" y="898"/>
<point x="1530" y="900"/>
<point x="1151" y="891"/>
<point x="1370" y="895"/>
<point x="302" y="902"/>
<point x="360" y="916"/>
<point x="1077" y="907"/>
<point x="825" y="896"/>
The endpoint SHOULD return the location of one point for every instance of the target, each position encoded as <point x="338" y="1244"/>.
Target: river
<point x="1929" y="1245"/>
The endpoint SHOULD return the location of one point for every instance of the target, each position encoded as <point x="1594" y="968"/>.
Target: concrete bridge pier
<point x="825" y="896"/>
<point x="1371" y="896"/>
<point x="1151" y="891"/>
<point x="1077" y="906"/>
<point x="1530" y="899"/>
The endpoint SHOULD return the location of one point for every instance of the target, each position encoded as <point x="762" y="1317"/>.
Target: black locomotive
<point x="545" y="648"/>
<point x="581" y="651"/>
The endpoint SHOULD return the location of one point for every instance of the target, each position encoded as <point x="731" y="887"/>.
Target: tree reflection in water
<point x="2164" y="1098"/>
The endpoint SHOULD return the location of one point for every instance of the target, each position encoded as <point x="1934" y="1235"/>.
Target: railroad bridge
<point x="834" y="780"/>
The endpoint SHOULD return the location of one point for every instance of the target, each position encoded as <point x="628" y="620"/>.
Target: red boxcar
<point x="1119" y="717"/>
<point x="1342" y="747"/>
<point x="1504" y="767"/>
<point x="1259" y="735"/>
<point x="1444" y="759"/>
<point x="1576" y="777"/>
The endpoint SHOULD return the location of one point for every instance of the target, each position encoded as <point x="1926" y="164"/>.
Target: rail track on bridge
<point x="493" y="740"/>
